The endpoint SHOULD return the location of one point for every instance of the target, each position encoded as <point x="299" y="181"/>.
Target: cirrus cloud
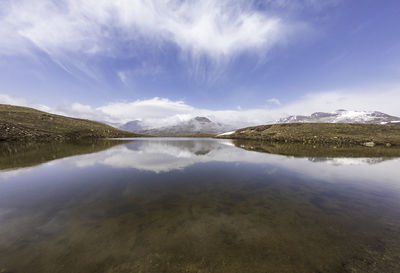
<point x="212" y="28"/>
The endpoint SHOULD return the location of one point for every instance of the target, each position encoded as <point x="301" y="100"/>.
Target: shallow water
<point x="197" y="205"/>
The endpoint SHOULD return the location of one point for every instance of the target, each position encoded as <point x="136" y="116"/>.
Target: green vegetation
<point x="323" y="133"/>
<point x="27" y="124"/>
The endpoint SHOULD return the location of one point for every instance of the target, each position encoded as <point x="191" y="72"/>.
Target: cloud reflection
<point x="160" y="155"/>
<point x="164" y="155"/>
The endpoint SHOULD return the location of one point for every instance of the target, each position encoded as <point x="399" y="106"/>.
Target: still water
<point x="198" y="205"/>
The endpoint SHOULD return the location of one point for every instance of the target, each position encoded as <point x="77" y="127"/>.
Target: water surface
<point x="197" y="205"/>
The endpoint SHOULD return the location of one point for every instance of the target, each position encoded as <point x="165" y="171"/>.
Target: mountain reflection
<point x="168" y="154"/>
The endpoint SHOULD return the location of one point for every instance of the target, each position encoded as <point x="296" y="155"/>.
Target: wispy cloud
<point x="122" y="76"/>
<point x="158" y="112"/>
<point x="144" y="69"/>
<point x="274" y="101"/>
<point x="216" y="29"/>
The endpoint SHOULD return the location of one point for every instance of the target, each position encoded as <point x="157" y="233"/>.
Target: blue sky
<point x="163" y="61"/>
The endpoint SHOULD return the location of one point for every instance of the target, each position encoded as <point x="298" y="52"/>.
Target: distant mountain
<point x="194" y="126"/>
<point x="132" y="126"/>
<point x="343" y="116"/>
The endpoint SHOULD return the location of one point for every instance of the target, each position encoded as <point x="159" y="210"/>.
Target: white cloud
<point x="158" y="112"/>
<point x="6" y="99"/>
<point x="378" y="98"/>
<point x="274" y="101"/>
<point x="214" y="28"/>
<point x="154" y="112"/>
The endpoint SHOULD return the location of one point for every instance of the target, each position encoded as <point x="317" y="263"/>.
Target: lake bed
<point x="196" y="205"/>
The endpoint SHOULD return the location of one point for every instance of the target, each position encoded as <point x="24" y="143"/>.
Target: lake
<point x="198" y="205"/>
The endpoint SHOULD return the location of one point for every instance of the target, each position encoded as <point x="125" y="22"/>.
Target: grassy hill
<point x="22" y="123"/>
<point x="323" y="133"/>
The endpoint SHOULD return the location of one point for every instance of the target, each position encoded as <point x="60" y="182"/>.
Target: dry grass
<point x="22" y="123"/>
<point x="322" y="133"/>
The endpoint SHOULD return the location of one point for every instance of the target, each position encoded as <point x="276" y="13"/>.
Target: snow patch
<point x="227" y="133"/>
<point x="358" y="116"/>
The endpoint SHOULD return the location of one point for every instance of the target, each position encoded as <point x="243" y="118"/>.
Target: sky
<point x="234" y="61"/>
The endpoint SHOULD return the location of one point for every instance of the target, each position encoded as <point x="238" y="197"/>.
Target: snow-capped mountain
<point x="344" y="116"/>
<point x="197" y="125"/>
